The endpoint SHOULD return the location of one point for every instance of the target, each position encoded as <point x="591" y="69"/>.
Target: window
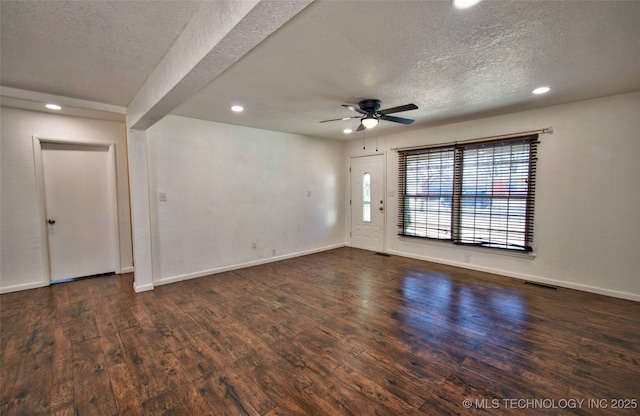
<point x="366" y="197"/>
<point x="428" y="191"/>
<point x="476" y="193"/>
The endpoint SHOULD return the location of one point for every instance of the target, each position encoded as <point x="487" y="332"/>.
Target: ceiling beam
<point x="219" y="34"/>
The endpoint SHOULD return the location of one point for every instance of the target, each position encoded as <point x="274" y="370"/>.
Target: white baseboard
<point x="142" y="288"/>
<point x="124" y="270"/>
<point x="238" y="266"/>
<point x="523" y="276"/>
<point x="24" y="286"/>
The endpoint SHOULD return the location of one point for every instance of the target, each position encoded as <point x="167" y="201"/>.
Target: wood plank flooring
<point x="343" y="332"/>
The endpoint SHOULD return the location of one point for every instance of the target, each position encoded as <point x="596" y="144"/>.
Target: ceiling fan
<point x="371" y="113"/>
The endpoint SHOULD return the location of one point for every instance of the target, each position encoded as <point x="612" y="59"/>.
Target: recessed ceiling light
<point x="464" y="4"/>
<point x="53" y="106"/>
<point x="237" y="108"/>
<point x="348" y="131"/>
<point x="541" y="90"/>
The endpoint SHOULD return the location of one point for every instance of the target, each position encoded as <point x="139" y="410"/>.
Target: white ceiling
<point x="453" y="64"/>
<point x="100" y="51"/>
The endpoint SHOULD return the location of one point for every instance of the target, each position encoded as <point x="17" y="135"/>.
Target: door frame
<point x="42" y="208"/>
<point x="384" y="192"/>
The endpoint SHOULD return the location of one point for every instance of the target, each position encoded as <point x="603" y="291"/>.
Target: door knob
<point x="381" y="208"/>
<point x="51" y="221"/>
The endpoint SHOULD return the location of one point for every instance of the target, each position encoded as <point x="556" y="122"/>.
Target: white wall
<point x="587" y="197"/>
<point x="227" y="186"/>
<point x="21" y="250"/>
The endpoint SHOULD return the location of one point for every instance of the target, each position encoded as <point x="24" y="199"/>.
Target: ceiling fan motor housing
<point x="370" y="106"/>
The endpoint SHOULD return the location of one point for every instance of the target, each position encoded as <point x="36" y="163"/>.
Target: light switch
<point x="163" y="196"/>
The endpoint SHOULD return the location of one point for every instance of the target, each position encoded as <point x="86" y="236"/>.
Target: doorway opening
<point x="368" y="202"/>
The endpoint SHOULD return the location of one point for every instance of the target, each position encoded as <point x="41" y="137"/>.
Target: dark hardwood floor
<point x="344" y="332"/>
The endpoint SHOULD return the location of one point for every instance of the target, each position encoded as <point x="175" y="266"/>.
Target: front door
<point x="79" y="190"/>
<point x="367" y="202"/>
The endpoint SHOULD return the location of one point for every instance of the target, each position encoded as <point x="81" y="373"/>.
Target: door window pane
<point x="366" y="198"/>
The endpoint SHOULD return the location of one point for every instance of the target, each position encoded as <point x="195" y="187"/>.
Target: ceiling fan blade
<point x="399" y="109"/>
<point x="361" y="127"/>
<point x="354" y="108"/>
<point x="397" y="119"/>
<point x="338" y="119"/>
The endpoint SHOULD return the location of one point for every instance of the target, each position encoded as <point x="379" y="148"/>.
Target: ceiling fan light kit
<point x="369" y="122"/>
<point x="371" y="113"/>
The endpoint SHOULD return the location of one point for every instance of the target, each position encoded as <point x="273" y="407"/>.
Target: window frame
<point x="514" y="213"/>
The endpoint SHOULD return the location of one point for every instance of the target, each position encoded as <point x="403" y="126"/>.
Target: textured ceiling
<point x="99" y="51"/>
<point x="454" y="65"/>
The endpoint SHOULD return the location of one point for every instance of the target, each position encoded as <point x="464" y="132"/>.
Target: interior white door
<point x="367" y="202"/>
<point x="79" y="189"/>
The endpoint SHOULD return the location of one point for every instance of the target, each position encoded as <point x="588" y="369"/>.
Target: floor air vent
<point x="541" y="285"/>
<point x="383" y="254"/>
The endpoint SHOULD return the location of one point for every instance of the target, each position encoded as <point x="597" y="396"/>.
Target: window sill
<point x="530" y="255"/>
